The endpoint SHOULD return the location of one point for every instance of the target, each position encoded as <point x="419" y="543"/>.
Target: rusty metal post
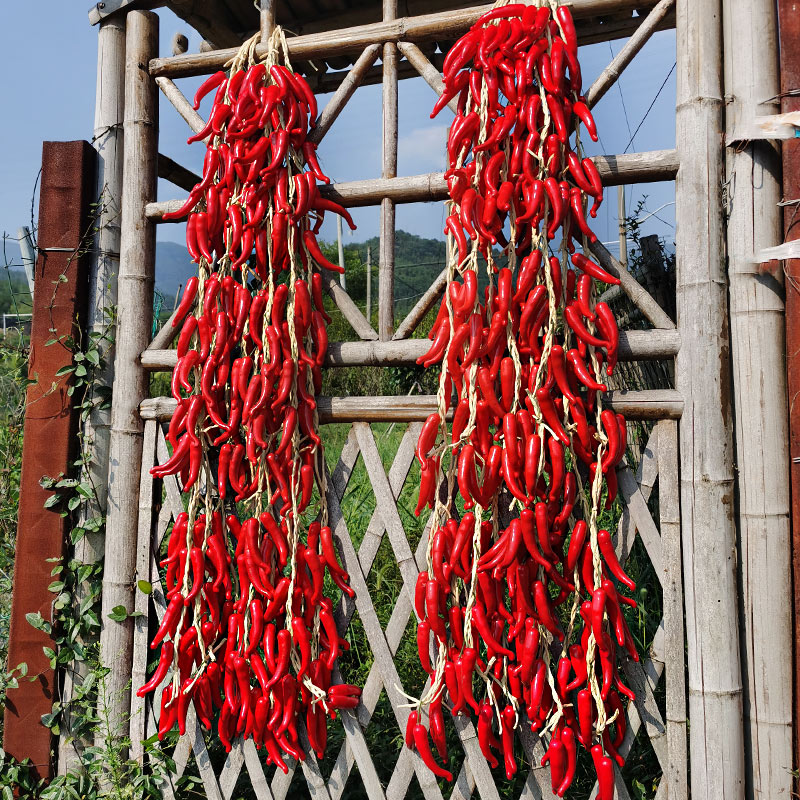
<point x="50" y="436"/>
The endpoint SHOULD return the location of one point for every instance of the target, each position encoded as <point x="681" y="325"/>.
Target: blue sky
<point x="49" y="61"/>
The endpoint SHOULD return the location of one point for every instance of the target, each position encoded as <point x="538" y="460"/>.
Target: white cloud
<point x="422" y="150"/>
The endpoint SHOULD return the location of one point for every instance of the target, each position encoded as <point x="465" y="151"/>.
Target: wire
<point x="640" y="220"/>
<point x="621" y="96"/>
<point x="647" y="113"/>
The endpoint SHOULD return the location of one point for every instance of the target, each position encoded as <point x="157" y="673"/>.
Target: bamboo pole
<point x="340" y="247"/>
<point x="633" y="346"/>
<point x="267" y="18"/>
<point x="610" y="75"/>
<point x="441" y="26"/>
<point x="369" y="286"/>
<point x="650" y="404"/>
<point x="344" y="92"/>
<point x="108" y="142"/>
<point x="656" y="165"/>
<point x="758" y="350"/>
<point x="137" y="259"/>
<point x="386" y="253"/>
<point x="422" y="307"/>
<point x="703" y="379"/>
<point x="672" y="591"/>
<point x="181" y="104"/>
<point x="638" y="295"/>
<point x="426" y="70"/>
<point x="623" y="231"/>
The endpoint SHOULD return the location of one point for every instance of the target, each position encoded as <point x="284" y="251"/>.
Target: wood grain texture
<point x="135" y="309"/>
<point x="758" y="356"/>
<point x="633" y="346"/>
<point x="671" y="577"/>
<point x="706" y="444"/>
<point x="447" y="26"/>
<point x="656" y="165"/>
<point x="649" y="404"/>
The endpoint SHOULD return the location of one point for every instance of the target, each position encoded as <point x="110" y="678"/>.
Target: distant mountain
<point x="418" y="261"/>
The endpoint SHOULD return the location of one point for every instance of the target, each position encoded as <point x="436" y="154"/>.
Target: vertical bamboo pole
<point x="342" y="279"/>
<point x="623" y="233"/>
<point x="108" y="142"/>
<point x="267" y="18"/>
<point x="386" y="256"/>
<point x="760" y="399"/>
<point x="703" y="377"/>
<point x="369" y="285"/>
<point x="672" y="589"/>
<point x="135" y="310"/>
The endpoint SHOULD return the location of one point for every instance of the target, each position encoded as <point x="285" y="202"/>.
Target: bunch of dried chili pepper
<point x="248" y="631"/>
<point x="520" y="617"/>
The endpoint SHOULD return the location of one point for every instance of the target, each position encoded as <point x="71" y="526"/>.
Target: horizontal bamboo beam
<point x="446" y="25"/>
<point x="633" y="346"/>
<point x="654" y="165"/>
<point x="651" y="404"/>
<point x="605" y="31"/>
<point x="176" y="173"/>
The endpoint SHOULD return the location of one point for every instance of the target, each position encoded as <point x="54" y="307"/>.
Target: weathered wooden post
<point x="760" y="397"/>
<point x="136" y="272"/>
<point x="108" y="142"/>
<point x="389" y="170"/>
<point x="703" y="378"/>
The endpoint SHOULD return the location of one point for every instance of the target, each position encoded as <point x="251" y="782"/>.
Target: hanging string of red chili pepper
<point x="248" y="631"/>
<point x="530" y="443"/>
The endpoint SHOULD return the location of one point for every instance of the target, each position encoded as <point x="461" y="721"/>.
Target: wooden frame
<point x="693" y="422"/>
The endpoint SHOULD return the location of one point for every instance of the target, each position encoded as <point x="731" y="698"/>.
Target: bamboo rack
<point x="633" y="346"/>
<point x="646" y="167"/>
<point x="447" y="25"/>
<point x="135" y="292"/>
<point x="649" y="404"/>
<point x="693" y="436"/>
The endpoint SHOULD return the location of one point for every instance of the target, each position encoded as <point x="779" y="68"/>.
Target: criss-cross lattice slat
<point x="635" y="489"/>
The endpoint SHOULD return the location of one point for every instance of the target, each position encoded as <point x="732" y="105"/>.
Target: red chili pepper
<point x="160" y="672"/>
<point x="590" y="268"/>
<point x="482" y="625"/>
<point x="557" y="758"/>
<point x="169" y="622"/>
<point x="486" y="738"/>
<point x="596" y="182"/>
<point x="604" y="767"/>
<point x="436" y="719"/>
<point x="413" y="717"/>
<point x="424" y="749"/>
<point x="610" y="557"/>
<point x="581" y="110"/>
<point x="464" y="672"/>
